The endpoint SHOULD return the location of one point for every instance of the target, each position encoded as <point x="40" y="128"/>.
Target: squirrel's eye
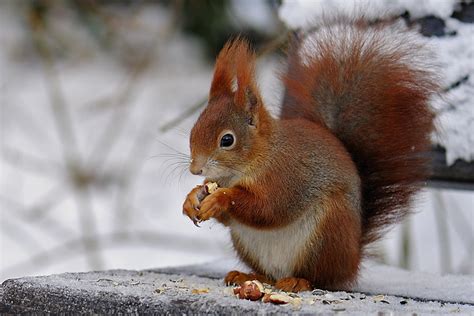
<point x="227" y="140"/>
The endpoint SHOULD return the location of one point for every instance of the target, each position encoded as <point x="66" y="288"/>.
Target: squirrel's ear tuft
<point x="234" y="75"/>
<point x="224" y="71"/>
<point x="247" y="94"/>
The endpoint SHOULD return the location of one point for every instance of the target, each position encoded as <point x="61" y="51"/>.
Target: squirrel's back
<point x="370" y="85"/>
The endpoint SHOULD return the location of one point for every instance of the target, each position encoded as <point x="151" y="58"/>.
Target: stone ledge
<point x="169" y="291"/>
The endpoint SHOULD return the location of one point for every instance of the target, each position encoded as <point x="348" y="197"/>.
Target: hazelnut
<point x="250" y="290"/>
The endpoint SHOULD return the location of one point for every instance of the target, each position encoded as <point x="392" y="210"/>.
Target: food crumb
<point x="200" y="291"/>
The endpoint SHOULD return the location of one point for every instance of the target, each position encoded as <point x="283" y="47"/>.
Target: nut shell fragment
<point x="259" y="285"/>
<point x="237" y="290"/>
<point x="279" y="298"/>
<point x="266" y="298"/>
<point x="200" y="291"/>
<point x="211" y="187"/>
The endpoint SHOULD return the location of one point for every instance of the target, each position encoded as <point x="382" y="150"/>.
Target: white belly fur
<point x="276" y="250"/>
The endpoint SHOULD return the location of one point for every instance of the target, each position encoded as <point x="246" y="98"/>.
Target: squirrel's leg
<point x="238" y="278"/>
<point x="293" y="285"/>
<point x="334" y="263"/>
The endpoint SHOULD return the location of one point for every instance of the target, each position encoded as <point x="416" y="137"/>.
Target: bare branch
<point x="64" y="126"/>
<point x="47" y="225"/>
<point x="20" y="235"/>
<point x="120" y="117"/>
<point x="28" y="162"/>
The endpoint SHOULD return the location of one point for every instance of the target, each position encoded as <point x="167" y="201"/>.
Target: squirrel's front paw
<point x="215" y="205"/>
<point x="192" y="203"/>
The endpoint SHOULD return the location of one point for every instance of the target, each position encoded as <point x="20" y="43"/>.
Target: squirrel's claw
<point x="196" y="221"/>
<point x="194" y="218"/>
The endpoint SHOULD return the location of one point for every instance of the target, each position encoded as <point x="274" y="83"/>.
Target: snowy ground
<point x="199" y="289"/>
<point x="134" y="205"/>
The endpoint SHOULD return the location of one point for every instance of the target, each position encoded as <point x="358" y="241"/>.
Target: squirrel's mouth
<point x="214" y="174"/>
<point x="224" y="177"/>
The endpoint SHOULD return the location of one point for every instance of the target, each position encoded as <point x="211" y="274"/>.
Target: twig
<point x="456" y="84"/>
<point x="28" y="162"/>
<point x="98" y="106"/>
<point x="116" y="124"/>
<point x="48" y="225"/>
<point x="274" y="44"/>
<point x="20" y="234"/>
<point x="44" y="204"/>
<point x="132" y="165"/>
<point x="184" y="115"/>
<point x="29" y="122"/>
<point x="62" y="116"/>
<point x="88" y="225"/>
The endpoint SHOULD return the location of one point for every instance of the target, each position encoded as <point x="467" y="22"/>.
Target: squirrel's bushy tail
<point x="370" y="85"/>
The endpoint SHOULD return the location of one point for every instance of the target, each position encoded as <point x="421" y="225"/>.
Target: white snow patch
<point x="306" y="13"/>
<point x="256" y="14"/>
<point x="455" y="108"/>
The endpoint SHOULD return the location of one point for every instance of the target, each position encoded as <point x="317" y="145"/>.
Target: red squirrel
<point x="305" y="193"/>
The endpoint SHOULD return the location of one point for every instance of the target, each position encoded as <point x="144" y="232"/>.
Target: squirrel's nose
<point x="195" y="167"/>
<point x="196" y="171"/>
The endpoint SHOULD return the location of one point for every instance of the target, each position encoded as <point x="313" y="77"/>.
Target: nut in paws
<point x="215" y="205"/>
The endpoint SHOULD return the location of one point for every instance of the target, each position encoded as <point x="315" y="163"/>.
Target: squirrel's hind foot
<point x="293" y="285"/>
<point x="238" y="278"/>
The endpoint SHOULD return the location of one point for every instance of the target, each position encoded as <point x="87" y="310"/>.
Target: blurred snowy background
<point x="96" y="101"/>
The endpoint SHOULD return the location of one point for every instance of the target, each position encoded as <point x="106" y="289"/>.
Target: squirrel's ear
<point x="249" y="99"/>
<point x="247" y="95"/>
<point x="223" y="71"/>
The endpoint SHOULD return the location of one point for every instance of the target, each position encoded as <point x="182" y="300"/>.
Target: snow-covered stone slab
<point x="374" y="278"/>
<point x="423" y="286"/>
<point x="199" y="289"/>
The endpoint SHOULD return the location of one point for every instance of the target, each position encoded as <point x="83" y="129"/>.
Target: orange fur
<point x="292" y="284"/>
<point x="334" y="262"/>
<point x="375" y="101"/>
<point x="305" y="193"/>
